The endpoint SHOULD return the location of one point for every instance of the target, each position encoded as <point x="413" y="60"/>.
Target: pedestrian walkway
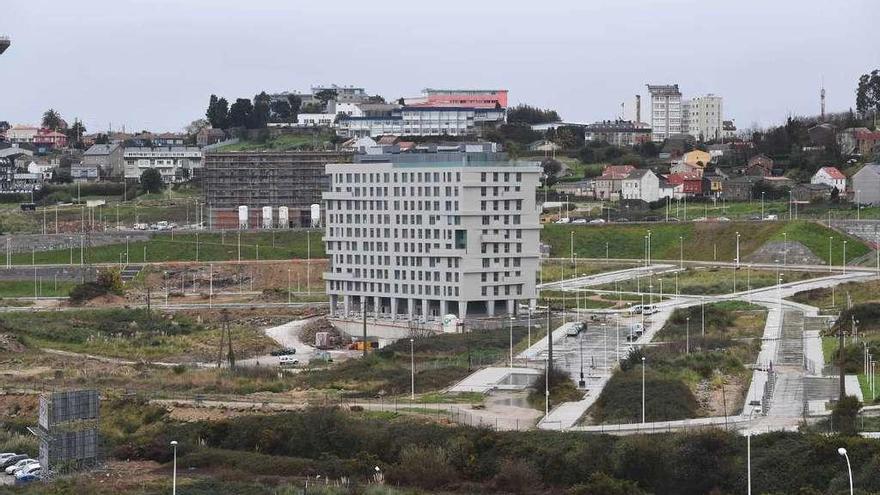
<point x="607" y="277"/>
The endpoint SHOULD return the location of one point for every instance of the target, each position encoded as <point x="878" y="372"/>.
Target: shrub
<point x="517" y="476"/>
<point x="601" y="483"/>
<point x="425" y="467"/>
<point x="845" y="415"/>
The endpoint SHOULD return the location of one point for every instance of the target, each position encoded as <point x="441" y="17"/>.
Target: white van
<point x="649" y="309"/>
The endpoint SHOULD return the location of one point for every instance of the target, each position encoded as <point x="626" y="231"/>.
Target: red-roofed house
<point x="831" y="176"/>
<point x="609" y="184"/>
<point x="691" y="184"/>
<point x="50" y="138"/>
<point x="867" y="141"/>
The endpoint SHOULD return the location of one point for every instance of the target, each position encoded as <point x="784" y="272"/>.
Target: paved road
<point x="607" y="277"/>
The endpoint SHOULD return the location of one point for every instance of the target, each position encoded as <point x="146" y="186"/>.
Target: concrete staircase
<point x="129" y="272"/>
<point x="791" y="343"/>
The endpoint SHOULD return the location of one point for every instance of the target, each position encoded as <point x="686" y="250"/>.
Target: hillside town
<point x="244" y="253"/>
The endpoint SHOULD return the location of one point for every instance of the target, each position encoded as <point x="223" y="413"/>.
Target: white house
<point x="346" y="108"/>
<point x="43" y="169"/>
<point x="641" y="184"/>
<point x="831" y="176"/>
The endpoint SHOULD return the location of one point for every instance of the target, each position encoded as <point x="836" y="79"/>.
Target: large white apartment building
<point x="665" y="111"/>
<point x="416" y="241"/>
<point x="420" y="121"/>
<point x="702" y="117"/>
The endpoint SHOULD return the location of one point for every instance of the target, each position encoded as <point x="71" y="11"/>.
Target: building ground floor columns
<point x="424" y="309"/>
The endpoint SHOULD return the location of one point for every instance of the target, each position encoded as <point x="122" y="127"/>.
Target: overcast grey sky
<point x="152" y="64"/>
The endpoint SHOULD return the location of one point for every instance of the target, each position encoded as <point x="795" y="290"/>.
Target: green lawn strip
<point x="45" y="287"/>
<point x="183" y="247"/>
<point x="555" y="298"/>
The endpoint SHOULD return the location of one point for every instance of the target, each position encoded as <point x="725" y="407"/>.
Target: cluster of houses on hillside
<point x="691" y="178"/>
<point x="31" y="156"/>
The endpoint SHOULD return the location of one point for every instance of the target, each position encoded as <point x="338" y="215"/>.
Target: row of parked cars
<point x="21" y="466"/>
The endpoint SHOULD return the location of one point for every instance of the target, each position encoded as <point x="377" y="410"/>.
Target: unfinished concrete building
<point x="259" y="179"/>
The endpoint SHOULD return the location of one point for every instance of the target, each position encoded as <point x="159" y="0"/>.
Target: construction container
<point x="283" y="217"/>
<point x="242" y="217"/>
<point x="322" y="340"/>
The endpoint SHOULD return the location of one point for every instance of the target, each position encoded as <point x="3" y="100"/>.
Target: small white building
<point x="315" y="119"/>
<point x="43" y="169"/>
<point x="641" y="184"/>
<point x="831" y="176"/>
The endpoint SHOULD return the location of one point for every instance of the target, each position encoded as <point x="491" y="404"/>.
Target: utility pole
<point x="549" y="352"/>
<point x="365" y="326"/>
<point x="841" y="364"/>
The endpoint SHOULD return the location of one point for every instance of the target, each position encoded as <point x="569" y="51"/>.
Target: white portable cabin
<point x="267" y="217"/>
<point x="242" y="217"/>
<point x="283" y="217"/>
<point x="316" y="215"/>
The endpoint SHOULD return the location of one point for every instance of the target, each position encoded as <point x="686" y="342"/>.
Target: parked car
<point x="575" y="330"/>
<point x="29" y="470"/>
<point x="563" y="220"/>
<point x="27" y="478"/>
<point x="598" y="220"/>
<point x="649" y="309"/>
<point x="286" y="351"/>
<point x="12" y="460"/>
<point x="6" y="455"/>
<point x="18" y="466"/>
<point x="771" y="217"/>
<point x="287" y="361"/>
<point x="579" y="221"/>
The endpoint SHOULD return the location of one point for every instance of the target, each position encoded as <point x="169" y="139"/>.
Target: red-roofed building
<point x="609" y="184"/>
<point x="691" y="184"/>
<point x="47" y="137"/>
<point x="831" y="176"/>
<point x="867" y="141"/>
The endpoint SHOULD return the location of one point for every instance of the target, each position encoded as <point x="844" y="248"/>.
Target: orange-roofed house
<point x="609" y="184"/>
<point x="831" y="176"/>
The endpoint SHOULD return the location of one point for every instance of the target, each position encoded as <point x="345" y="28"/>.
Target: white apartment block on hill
<point x="413" y="240"/>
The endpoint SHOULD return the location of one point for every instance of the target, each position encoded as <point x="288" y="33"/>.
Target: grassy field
<point x="27" y="288"/>
<point x="837" y="298"/>
<point x="709" y="281"/>
<point x="584" y="300"/>
<point x="285" y="142"/>
<point x="288" y="244"/>
<point x="127" y="333"/>
<point x="704" y="241"/>
<point x="440" y="361"/>
<point x="689" y="374"/>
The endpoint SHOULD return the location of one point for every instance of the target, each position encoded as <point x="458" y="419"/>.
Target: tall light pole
<point x="680" y="253"/>
<point x="842" y="451"/>
<point x="829" y="253"/>
<point x="843" y="261"/>
<point x="784" y="248"/>
<point x="737" y="249"/>
<point x="687" y="341"/>
<point x="412" y="369"/>
<point x="702" y="317"/>
<point x="510" y="362"/>
<point x="762" y="206"/>
<point x="174" y="469"/>
<point x="643" y="389"/>
<point x="749" y="451"/>
<point x="530" y="327"/>
<point x="571" y="245"/>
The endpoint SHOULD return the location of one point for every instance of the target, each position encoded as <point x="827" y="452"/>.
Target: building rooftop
<point x="833" y="172"/>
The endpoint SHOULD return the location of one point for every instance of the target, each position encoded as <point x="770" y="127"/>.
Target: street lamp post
<point x="749" y="451"/>
<point x="784" y="248"/>
<point x="174" y="469"/>
<point x="762" y="206"/>
<point x="843" y="261"/>
<point x="510" y="362"/>
<point x="687" y="341"/>
<point x="582" y="383"/>
<point x="680" y="253"/>
<point x="412" y="370"/>
<point x="571" y="245"/>
<point x="643" y="389"/>
<point x="737" y="250"/>
<point x="842" y="451"/>
<point x="829" y="253"/>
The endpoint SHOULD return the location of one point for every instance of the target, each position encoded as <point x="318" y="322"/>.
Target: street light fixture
<point x="412" y="370"/>
<point x="510" y="362"/>
<point x="174" y="469"/>
<point x="643" y="389"/>
<point x="687" y="345"/>
<point x="842" y="451"/>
